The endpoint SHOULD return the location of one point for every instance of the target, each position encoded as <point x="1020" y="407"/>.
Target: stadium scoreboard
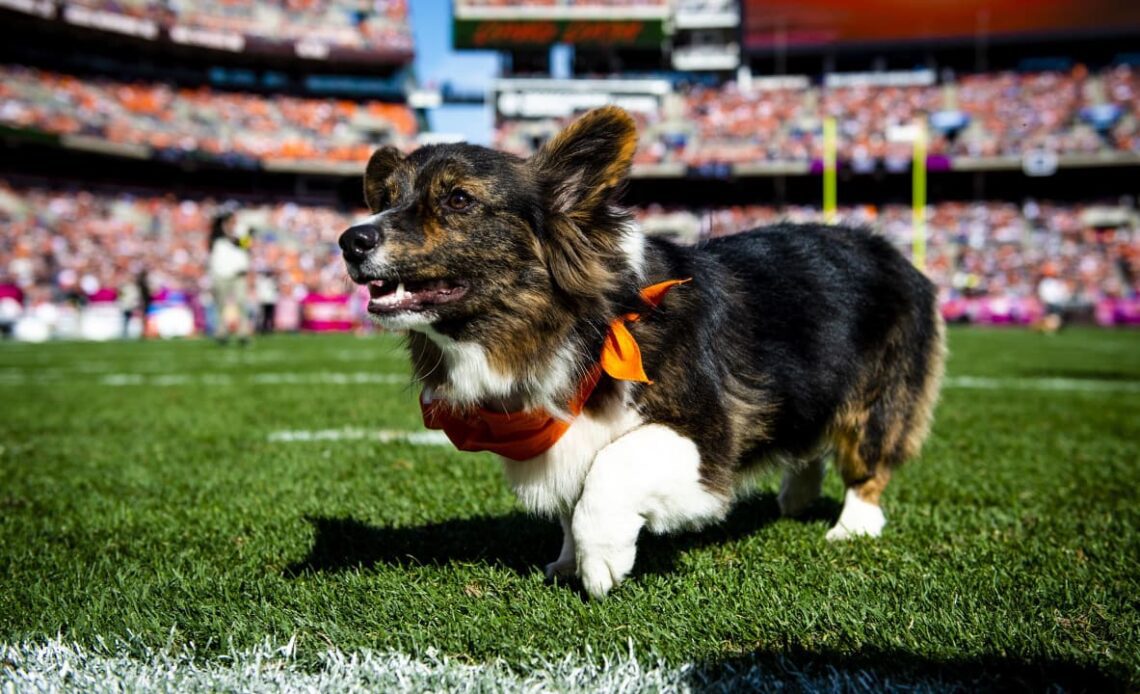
<point x="505" y="28"/>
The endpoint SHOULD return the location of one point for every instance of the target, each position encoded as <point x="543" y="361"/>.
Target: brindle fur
<point x="788" y="342"/>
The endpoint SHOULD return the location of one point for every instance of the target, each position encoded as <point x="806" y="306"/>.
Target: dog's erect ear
<point x="582" y="168"/>
<point x="585" y="162"/>
<point x="383" y="162"/>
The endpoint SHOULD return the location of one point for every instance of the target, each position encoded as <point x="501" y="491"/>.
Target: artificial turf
<point x="142" y="494"/>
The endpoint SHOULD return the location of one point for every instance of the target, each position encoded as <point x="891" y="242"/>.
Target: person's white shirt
<point x="266" y="289"/>
<point x="227" y="259"/>
<point x="1053" y="291"/>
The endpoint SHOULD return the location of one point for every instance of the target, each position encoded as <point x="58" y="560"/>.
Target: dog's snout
<point x="357" y="241"/>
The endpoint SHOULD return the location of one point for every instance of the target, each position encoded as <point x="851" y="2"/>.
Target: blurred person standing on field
<point x="229" y="277"/>
<point x="265" y="287"/>
<point x="134" y="299"/>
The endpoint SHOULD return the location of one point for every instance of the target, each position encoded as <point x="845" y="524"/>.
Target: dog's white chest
<point x="550" y="484"/>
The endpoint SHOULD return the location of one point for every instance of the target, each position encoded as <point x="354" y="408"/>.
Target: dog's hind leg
<point x="648" y="477"/>
<point x="565" y="564"/>
<point x="873" y="439"/>
<point x="859" y="459"/>
<point x="801" y="485"/>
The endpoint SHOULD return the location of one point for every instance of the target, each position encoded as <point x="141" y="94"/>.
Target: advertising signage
<point x="509" y="33"/>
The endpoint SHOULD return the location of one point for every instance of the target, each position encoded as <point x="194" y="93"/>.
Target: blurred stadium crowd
<point x="983" y="115"/>
<point x="349" y="23"/>
<point x="225" y="125"/>
<point x="75" y="247"/>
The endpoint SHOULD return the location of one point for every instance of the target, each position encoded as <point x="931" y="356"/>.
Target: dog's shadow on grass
<point x="514" y="541"/>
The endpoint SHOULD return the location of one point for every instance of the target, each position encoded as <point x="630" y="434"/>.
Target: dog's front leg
<point x="565" y="564"/>
<point x="650" y="476"/>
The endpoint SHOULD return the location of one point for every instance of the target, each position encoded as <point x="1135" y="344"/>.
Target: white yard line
<point x="271" y="379"/>
<point x="54" y="665"/>
<point x="1082" y="385"/>
<point x="13" y="376"/>
<point x="416" y="438"/>
<point x="19" y="377"/>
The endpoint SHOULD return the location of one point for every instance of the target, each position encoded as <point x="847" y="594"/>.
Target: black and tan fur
<point x="790" y="342"/>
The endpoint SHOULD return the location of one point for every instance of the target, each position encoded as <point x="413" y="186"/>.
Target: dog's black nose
<point x="358" y="241"/>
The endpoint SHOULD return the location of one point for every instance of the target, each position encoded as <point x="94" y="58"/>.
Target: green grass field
<point x="164" y="495"/>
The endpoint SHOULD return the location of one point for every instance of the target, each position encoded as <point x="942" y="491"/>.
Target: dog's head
<point x="468" y="242"/>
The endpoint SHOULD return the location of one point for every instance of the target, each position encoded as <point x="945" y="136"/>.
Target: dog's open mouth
<point x="389" y="296"/>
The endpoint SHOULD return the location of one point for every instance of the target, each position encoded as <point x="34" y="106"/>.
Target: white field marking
<point x="328" y="378"/>
<point x="1085" y="385"/>
<point x="16" y="376"/>
<point x="416" y="438"/>
<point x="54" y="665"/>
<point x="273" y="379"/>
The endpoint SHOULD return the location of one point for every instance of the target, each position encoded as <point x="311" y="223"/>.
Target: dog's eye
<point x="459" y="200"/>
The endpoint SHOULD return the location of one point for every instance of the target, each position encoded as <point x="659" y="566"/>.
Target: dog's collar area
<point x="525" y="435"/>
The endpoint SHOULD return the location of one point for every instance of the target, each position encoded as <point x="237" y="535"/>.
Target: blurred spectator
<point x="229" y="265"/>
<point x="265" y="289"/>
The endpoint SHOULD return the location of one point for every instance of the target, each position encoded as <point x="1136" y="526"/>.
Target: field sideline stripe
<point x="416" y="438"/>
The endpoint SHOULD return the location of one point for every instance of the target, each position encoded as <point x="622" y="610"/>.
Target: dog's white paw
<point x="858" y="519"/>
<point x="561" y="568"/>
<point x="602" y="571"/>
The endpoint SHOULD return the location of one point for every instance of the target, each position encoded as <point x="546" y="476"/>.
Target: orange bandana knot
<point x="621" y="357"/>
<point x="524" y="435"/>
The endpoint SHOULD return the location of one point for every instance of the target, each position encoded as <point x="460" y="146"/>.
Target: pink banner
<point x="992" y="310"/>
<point x="1111" y="312"/>
<point x="322" y="313"/>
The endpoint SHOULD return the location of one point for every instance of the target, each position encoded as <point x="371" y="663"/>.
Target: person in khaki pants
<point x="229" y="277"/>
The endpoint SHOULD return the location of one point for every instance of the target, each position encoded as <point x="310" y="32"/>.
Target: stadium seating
<point x="74" y="245"/>
<point x="984" y="115"/>
<point x="979" y="249"/>
<point x="989" y="115"/>
<point x="338" y="22"/>
<point x="226" y="125"/>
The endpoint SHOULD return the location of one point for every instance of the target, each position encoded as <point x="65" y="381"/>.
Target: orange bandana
<point x="524" y="435"/>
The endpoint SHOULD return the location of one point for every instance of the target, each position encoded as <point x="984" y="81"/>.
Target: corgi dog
<point x="629" y="382"/>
